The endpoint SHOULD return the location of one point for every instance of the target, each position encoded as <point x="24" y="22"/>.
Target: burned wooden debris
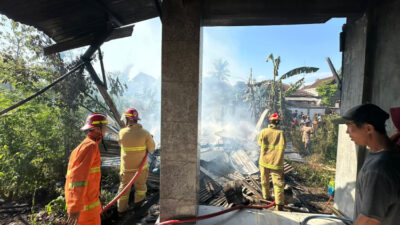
<point x="229" y="176"/>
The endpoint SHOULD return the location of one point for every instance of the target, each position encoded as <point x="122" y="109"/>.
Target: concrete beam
<point x="349" y="156"/>
<point x="271" y="12"/>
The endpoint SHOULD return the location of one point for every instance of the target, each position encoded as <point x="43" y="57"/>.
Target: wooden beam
<point x="110" y="103"/>
<point x="87" y="40"/>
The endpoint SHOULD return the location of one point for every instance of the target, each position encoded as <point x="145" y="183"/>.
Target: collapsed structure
<point x="370" y="67"/>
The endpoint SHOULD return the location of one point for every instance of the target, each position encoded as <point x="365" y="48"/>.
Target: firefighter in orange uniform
<point x="272" y="142"/>
<point x="134" y="142"/>
<point x="83" y="175"/>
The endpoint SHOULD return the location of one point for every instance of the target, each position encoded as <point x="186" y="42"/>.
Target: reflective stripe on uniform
<point x="270" y="166"/>
<point x="98" y="122"/>
<point x="124" y="197"/>
<point x="274" y="147"/>
<point x="140" y="192"/>
<point x="94" y="169"/>
<point x="134" y="170"/>
<point x="133" y="149"/>
<point x="264" y="186"/>
<point x="91" y="206"/>
<point x="278" y="189"/>
<point x="77" y="184"/>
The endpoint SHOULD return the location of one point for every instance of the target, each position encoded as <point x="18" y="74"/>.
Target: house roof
<point x="76" y="23"/>
<point x="328" y="80"/>
<point x="298" y="93"/>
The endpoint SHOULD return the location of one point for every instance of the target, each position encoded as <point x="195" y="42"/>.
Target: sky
<point x="242" y="47"/>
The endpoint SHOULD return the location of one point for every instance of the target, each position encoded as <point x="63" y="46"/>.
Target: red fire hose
<point x="127" y="186"/>
<point x="183" y="220"/>
<point x="216" y="214"/>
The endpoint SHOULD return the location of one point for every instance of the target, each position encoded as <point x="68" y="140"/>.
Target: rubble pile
<point x="228" y="177"/>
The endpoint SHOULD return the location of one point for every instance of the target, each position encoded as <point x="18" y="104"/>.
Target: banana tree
<point x="272" y="91"/>
<point x="276" y="100"/>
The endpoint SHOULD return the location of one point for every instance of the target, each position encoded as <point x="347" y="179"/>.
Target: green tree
<point x="35" y="139"/>
<point x="221" y="71"/>
<point x="270" y="94"/>
<point x="329" y="93"/>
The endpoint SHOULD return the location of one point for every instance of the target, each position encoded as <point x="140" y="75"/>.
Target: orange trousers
<point x="90" y="217"/>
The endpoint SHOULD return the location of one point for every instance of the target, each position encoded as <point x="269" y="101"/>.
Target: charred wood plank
<point x="251" y="189"/>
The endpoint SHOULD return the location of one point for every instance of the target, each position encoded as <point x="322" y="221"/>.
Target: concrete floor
<point x="258" y="217"/>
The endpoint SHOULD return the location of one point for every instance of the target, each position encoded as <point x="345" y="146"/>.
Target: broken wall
<point x="385" y="86"/>
<point x="353" y="65"/>
<point x="371" y="73"/>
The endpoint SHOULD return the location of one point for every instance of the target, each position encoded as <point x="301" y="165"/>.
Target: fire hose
<point x="182" y="220"/>
<point x="127" y="186"/>
<point x="189" y="220"/>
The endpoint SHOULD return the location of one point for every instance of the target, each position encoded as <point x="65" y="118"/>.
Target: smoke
<point x="226" y="125"/>
<point x="143" y="94"/>
<point x="225" y="119"/>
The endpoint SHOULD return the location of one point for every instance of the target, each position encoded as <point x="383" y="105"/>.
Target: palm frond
<point x="299" y="70"/>
<point x="270" y="57"/>
<point x="294" y="87"/>
<point x="277" y="62"/>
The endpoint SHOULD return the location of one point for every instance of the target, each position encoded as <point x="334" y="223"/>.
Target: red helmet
<point x="94" y="120"/>
<point x="132" y="113"/>
<point x="274" y="116"/>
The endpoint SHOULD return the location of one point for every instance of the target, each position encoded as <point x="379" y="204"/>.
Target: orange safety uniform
<point x="272" y="142"/>
<point x="83" y="181"/>
<point x="134" y="141"/>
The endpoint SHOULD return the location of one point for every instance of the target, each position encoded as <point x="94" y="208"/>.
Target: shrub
<point x="323" y="146"/>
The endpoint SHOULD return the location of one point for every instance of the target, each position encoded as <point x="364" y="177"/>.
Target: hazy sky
<point x="243" y="47"/>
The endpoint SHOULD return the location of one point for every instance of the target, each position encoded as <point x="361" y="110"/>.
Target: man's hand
<point x="73" y="218"/>
<point x="365" y="220"/>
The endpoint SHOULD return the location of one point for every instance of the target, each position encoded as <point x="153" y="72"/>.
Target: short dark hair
<point x="368" y="114"/>
<point x="380" y="129"/>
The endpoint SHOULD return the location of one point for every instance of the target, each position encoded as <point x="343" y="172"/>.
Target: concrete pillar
<point x="180" y="101"/>
<point x="355" y="82"/>
<point x="354" y="63"/>
<point x="346" y="173"/>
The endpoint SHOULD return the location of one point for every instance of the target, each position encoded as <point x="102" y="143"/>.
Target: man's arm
<point x="78" y="177"/>
<point x="150" y="144"/>
<point x="365" y="220"/>
<point x="73" y="218"/>
<point x="260" y="138"/>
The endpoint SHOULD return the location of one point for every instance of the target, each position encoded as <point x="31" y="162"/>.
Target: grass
<point x="323" y="147"/>
<point x="313" y="175"/>
<point x="319" y="169"/>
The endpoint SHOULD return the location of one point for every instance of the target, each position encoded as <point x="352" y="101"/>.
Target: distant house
<point x="302" y="98"/>
<point x="312" y="89"/>
<point x="306" y="99"/>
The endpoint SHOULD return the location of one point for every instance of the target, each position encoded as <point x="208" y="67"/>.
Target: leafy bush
<point x="324" y="141"/>
<point x="54" y="213"/>
<point x="313" y="175"/>
<point x="323" y="145"/>
<point x="37" y="137"/>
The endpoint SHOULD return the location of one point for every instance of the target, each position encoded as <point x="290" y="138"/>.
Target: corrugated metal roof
<point x="328" y="80"/>
<point x="74" y="20"/>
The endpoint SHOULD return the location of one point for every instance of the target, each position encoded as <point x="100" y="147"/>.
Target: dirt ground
<point x="14" y="214"/>
<point x="314" y="199"/>
<point x="317" y="198"/>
